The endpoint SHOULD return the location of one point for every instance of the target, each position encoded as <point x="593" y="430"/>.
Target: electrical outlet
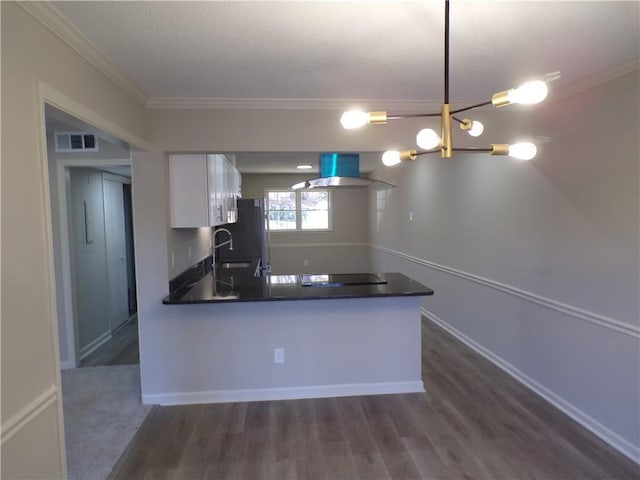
<point x="411" y="216"/>
<point x="278" y="355"/>
<point x="306" y="262"/>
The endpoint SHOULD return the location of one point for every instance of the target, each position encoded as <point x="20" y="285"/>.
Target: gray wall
<point x="345" y="248"/>
<point x="536" y="264"/>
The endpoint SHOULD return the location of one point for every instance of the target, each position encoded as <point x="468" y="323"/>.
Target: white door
<point x="116" y="253"/>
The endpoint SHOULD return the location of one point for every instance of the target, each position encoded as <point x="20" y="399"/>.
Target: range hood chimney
<point x="341" y="170"/>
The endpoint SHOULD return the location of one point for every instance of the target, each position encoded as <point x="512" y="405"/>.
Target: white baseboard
<point x="616" y="441"/>
<point x="66" y="364"/>
<point x="95" y="344"/>
<point x="286" y="393"/>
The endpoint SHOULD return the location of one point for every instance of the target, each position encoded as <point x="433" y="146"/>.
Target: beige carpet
<point x="102" y="412"/>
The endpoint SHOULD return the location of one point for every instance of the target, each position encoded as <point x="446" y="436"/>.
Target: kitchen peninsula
<point x="245" y="337"/>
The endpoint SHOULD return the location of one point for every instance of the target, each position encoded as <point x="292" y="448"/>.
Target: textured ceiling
<point x="353" y="50"/>
<point x="365" y="53"/>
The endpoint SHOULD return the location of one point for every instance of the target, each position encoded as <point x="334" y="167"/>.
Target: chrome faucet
<point x="228" y="242"/>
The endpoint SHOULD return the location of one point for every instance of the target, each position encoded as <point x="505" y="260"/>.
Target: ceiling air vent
<point x="76" y="142"/>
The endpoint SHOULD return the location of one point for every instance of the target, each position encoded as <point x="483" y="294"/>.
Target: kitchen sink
<point x="224" y="297"/>
<point x="235" y="264"/>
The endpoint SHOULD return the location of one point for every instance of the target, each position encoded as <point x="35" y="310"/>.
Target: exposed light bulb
<point x="523" y="151"/>
<point x="529" y="93"/>
<point x="427" y="139"/>
<point x="354" y="119"/>
<point x="476" y="129"/>
<point x="391" y="158"/>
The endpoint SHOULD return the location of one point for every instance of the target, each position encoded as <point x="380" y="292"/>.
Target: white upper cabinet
<point x="202" y="190"/>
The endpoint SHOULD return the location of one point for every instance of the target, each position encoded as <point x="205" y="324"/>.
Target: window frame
<point x="298" y="210"/>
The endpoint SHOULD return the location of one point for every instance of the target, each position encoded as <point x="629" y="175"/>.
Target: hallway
<point x="121" y="349"/>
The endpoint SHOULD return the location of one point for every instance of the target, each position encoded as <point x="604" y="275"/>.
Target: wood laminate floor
<point x="474" y="422"/>
<point x="121" y="349"/>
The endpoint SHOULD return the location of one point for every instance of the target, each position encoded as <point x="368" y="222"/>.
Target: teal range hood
<point x="341" y="170"/>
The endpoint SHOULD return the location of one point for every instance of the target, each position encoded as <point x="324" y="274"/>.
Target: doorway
<point x="93" y="251"/>
<point x="102" y="266"/>
<point x="91" y="198"/>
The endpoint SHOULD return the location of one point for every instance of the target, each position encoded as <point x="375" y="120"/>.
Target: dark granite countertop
<point x="240" y="285"/>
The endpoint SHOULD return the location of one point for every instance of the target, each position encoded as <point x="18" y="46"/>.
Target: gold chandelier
<point x="430" y="142"/>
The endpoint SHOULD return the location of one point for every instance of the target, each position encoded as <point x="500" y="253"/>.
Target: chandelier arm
<point x="412" y="115"/>
<point x="425" y="152"/>
<point x="471" y="149"/>
<point x="483" y="104"/>
<point x="457" y="119"/>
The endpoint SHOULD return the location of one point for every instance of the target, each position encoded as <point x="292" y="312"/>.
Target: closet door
<point x="116" y="247"/>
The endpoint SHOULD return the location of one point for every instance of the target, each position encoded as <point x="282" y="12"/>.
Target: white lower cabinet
<point x="202" y="190"/>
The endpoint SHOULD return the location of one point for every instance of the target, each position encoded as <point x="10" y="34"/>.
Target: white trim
<point x="67" y="364"/>
<point x="26" y="415"/>
<point x="407" y="106"/>
<point x="595" y="80"/>
<point x="283" y="393"/>
<point x="622" y="445"/>
<point x="56" y="99"/>
<point x="206" y="103"/>
<point x="95" y="344"/>
<point x="317" y="245"/>
<point x="65" y="265"/>
<point x="49" y="266"/>
<point x="603" y="321"/>
<point x="46" y="14"/>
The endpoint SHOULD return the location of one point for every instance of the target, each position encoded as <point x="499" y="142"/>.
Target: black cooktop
<point x="340" y="279"/>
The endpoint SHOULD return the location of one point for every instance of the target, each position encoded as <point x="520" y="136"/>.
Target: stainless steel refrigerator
<point x="250" y="236"/>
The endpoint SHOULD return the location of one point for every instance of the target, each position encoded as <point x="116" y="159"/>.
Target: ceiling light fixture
<point x="430" y="142"/>
<point x="304" y="167"/>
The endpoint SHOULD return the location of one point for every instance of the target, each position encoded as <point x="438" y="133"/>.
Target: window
<point x="299" y="210"/>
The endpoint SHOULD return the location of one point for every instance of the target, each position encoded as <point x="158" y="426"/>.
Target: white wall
<point x="31" y="410"/>
<point x="537" y="264"/>
<point x="224" y="352"/>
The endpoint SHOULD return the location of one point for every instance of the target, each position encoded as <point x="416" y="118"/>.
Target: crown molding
<point x="405" y="106"/>
<point x="195" y="103"/>
<point x="598" y="79"/>
<point x="46" y="14"/>
<point x="62" y="28"/>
